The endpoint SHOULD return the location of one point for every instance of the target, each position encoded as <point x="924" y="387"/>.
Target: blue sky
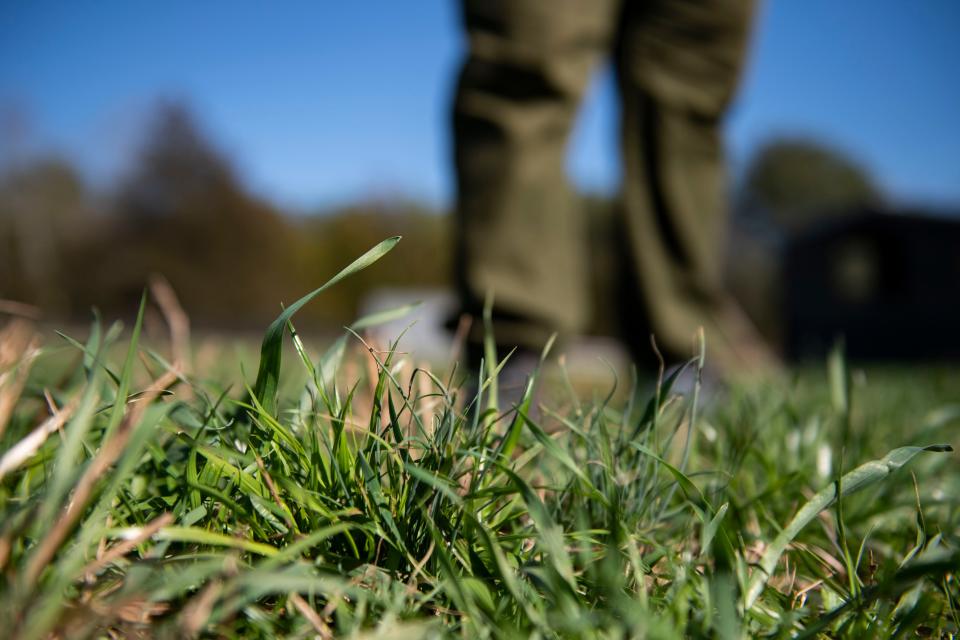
<point x="321" y="102"/>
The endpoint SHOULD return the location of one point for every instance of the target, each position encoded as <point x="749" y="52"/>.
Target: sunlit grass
<point x="141" y="496"/>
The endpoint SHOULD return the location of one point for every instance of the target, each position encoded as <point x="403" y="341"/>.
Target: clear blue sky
<point x="320" y="102"/>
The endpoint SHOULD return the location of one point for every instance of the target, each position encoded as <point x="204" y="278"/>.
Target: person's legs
<point x="518" y="233"/>
<point x="677" y="64"/>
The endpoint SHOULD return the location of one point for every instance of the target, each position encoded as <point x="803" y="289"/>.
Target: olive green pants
<point x="519" y="232"/>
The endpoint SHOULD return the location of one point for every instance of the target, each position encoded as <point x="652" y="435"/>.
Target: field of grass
<point x="353" y="494"/>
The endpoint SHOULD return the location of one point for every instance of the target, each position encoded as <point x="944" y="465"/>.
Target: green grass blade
<point x="120" y="405"/>
<point x="864" y="475"/>
<point x="268" y="374"/>
<point x="208" y="538"/>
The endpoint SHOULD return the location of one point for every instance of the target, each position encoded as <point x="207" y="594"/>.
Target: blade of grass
<point x="268" y="374"/>
<point x="864" y="475"/>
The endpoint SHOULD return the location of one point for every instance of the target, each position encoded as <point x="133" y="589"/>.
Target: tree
<point x="42" y="206"/>
<point x="185" y="214"/>
<point x="793" y="182"/>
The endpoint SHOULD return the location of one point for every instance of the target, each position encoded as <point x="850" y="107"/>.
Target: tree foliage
<point x="183" y="211"/>
<point x="792" y="182"/>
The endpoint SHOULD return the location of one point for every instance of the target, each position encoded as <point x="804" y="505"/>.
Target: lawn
<point x="144" y="493"/>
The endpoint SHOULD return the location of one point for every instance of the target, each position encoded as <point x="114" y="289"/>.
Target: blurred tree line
<point x="183" y="211"/>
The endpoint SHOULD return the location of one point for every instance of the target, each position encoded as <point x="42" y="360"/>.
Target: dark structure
<point x="887" y="283"/>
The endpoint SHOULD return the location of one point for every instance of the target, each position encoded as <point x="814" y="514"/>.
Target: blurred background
<point x="247" y="151"/>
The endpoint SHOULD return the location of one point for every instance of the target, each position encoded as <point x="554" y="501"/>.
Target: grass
<point x="141" y="500"/>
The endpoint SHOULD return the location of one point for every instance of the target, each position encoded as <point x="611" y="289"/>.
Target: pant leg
<point x="678" y="62"/>
<point x="518" y="232"/>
